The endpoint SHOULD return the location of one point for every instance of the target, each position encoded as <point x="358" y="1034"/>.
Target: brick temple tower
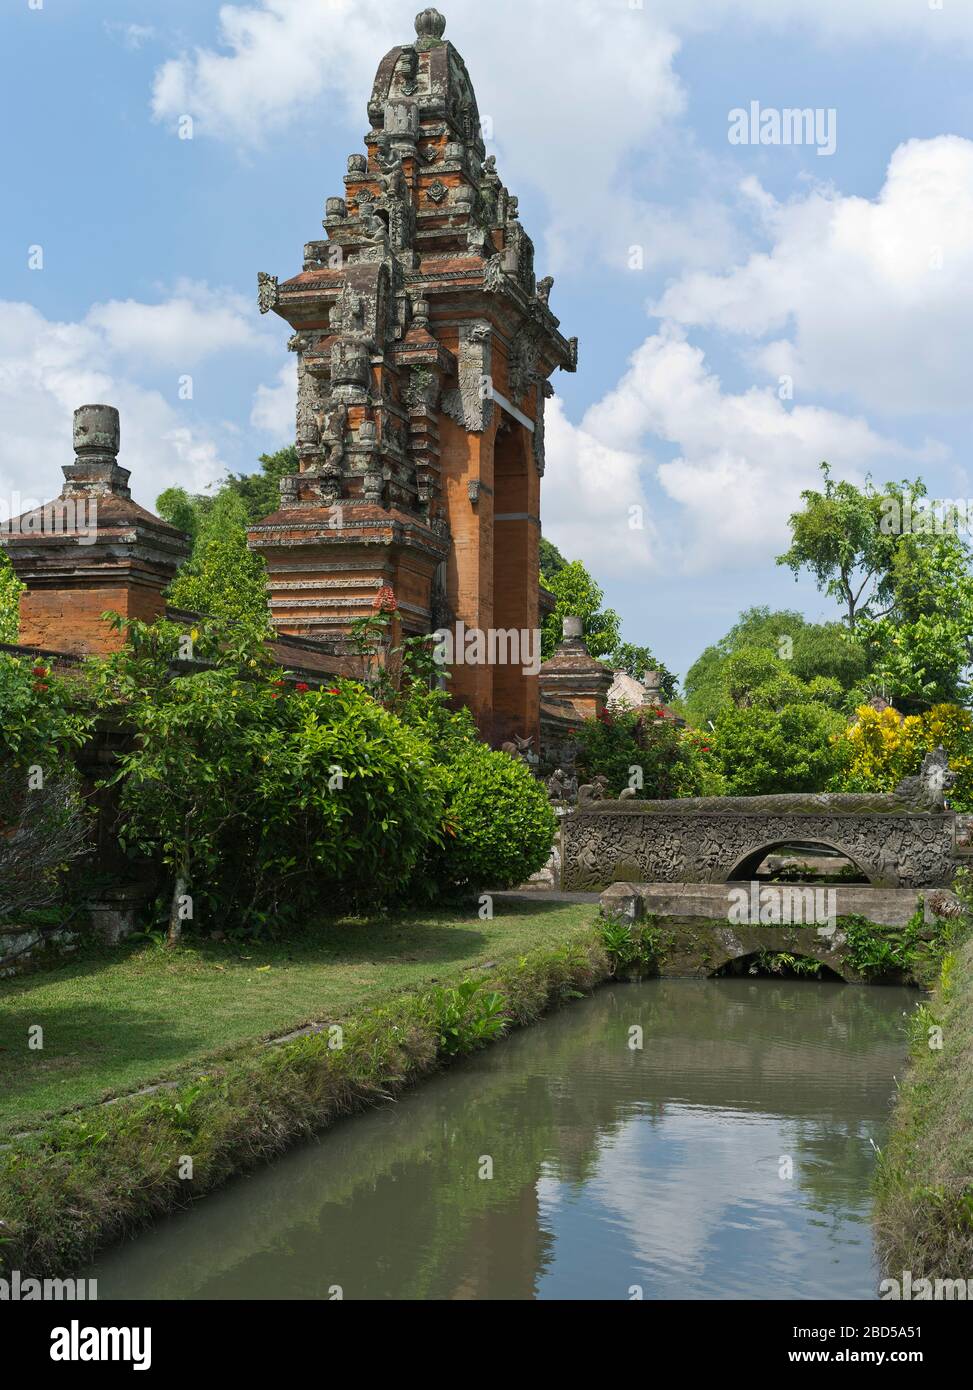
<point x="424" y="346"/>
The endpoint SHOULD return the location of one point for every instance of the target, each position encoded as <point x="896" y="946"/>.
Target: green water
<point x="730" y="1157"/>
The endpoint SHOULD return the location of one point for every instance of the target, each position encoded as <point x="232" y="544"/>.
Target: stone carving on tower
<point x="424" y="345"/>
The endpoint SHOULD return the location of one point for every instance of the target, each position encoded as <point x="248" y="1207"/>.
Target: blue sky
<point x="848" y="273"/>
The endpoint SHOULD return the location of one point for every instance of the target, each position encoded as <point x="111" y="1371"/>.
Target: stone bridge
<point x="720" y="840"/>
<point x="703" y="936"/>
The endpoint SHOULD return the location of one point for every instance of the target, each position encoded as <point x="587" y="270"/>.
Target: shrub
<point x="43" y="717"/>
<point x="667" y="761"/>
<point x="263" y="798"/>
<point x="10" y="591"/>
<point x="499" y="825"/>
<point x="632" y="952"/>
<point x="41" y="831"/>
<point x="779" y="750"/>
<point x="467" y="1017"/>
<point x="911" y="950"/>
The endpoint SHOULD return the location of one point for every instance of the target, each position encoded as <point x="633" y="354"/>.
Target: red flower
<point x="385" y="600"/>
<point x="334" y="691"/>
<point x="40" y="671"/>
<point x="301" y="688"/>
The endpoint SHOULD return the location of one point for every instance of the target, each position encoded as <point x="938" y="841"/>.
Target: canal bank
<point x="924" y="1207"/>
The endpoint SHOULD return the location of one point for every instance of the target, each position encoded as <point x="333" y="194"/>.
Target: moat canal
<point x="730" y="1157"/>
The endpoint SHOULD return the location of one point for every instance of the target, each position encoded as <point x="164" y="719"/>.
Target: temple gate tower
<point x="424" y="349"/>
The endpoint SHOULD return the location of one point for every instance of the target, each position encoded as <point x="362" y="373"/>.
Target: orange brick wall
<point x="69" y="620"/>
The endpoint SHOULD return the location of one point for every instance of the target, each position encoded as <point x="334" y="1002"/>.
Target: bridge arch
<point x="747" y="865"/>
<point x="830" y="968"/>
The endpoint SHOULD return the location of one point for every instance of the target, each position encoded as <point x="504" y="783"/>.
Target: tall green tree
<point x="223" y="578"/>
<point x="578" y="595"/>
<point x="552" y="561"/>
<point x="775" y="732"/>
<point x="806" y="650"/>
<point x="260" y="492"/>
<point x="901" y="569"/>
<point x="837" y="535"/>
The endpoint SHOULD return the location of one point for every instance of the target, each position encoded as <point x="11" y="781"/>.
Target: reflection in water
<point x="664" y="1168"/>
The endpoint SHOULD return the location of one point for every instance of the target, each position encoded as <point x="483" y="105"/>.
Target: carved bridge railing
<point x="672" y="842"/>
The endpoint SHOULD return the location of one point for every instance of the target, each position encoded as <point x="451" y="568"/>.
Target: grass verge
<point x="90" y="1178"/>
<point x="116" y="1020"/>
<point x="924" y="1206"/>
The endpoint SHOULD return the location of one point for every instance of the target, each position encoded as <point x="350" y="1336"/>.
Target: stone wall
<point x="24" y="948"/>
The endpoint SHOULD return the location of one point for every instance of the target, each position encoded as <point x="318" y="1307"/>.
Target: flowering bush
<point x="43" y="717"/>
<point x="882" y="747"/>
<point x="669" y="761"/>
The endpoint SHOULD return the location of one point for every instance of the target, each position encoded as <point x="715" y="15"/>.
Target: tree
<point x="10" y="591"/>
<point x="578" y="595"/>
<point x="260" y="492"/>
<point x="838" y="537"/>
<point x="552" y="561"/>
<point x="263" y="798"/>
<point x="43" y="821"/>
<point x="901" y="569"/>
<point x="922" y="647"/>
<point x="808" y="650"/>
<point x="635" y="661"/>
<point x="789" y="749"/>
<point x="223" y="578"/>
<point x="774" y="732"/>
<point x="186" y="511"/>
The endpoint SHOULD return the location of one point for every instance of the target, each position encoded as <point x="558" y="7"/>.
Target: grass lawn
<point x="116" y="1020"/>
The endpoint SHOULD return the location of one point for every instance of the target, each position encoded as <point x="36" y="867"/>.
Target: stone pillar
<point x="91" y="550"/>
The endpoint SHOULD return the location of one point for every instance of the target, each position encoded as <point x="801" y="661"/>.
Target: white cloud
<point x="193" y="323"/>
<point x="742" y="460"/>
<point x="47" y="369"/>
<point x="907" y="21"/>
<point x="590" y="488"/>
<point x="872" y="298"/>
<point x="131" y="35"/>
<point x="280" y="57"/>
<point x="274" y="406"/>
<point x="565" y="85"/>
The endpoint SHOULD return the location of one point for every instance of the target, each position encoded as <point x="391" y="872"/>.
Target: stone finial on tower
<point x="95" y="471"/>
<point x="430" y="27"/>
